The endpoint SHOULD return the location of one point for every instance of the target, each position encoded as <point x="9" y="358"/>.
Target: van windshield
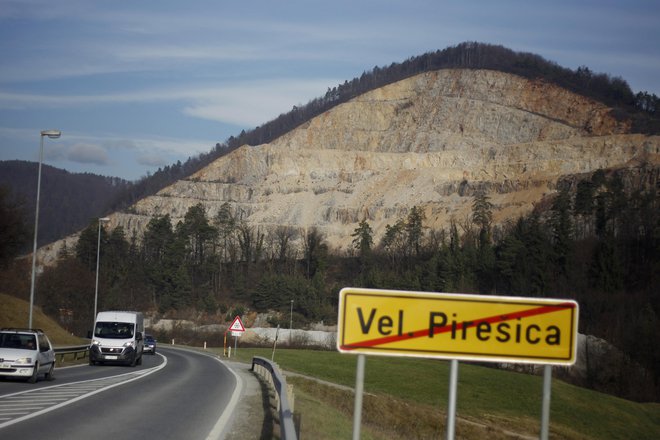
<point x="114" y="330"/>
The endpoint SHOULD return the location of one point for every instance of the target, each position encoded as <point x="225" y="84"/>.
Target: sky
<point x="138" y="85"/>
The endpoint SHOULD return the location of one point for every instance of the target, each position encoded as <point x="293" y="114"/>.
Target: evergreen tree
<point x="87" y="246"/>
<point x="414" y="231"/>
<point x="197" y="232"/>
<point x="226" y="223"/>
<point x="363" y="238"/>
<point x="393" y="241"/>
<point x="562" y="231"/>
<point x="315" y="250"/>
<point x="606" y="270"/>
<point x="584" y="207"/>
<point x="482" y="216"/>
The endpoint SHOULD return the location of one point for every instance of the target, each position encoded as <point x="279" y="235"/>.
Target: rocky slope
<point x="427" y="141"/>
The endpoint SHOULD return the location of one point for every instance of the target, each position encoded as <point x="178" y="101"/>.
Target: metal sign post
<point x="359" y="391"/>
<point x="545" y="407"/>
<point x="451" y="407"/>
<point x="236" y="328"/>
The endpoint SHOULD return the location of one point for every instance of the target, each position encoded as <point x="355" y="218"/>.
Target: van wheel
<point x="50" y="375"/>
<point x="133" y="361"/>
<point x="139" y="361"/>
<point x="35" y="373"/>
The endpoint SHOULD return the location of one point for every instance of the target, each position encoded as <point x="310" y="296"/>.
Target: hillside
<point x="430" y="141"/>
<point x="67" y="200"/>
<point x="14" y="313"/>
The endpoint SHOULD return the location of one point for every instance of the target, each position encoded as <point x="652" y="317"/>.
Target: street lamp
<point x="98" y="258"/>
<point x="52" y="134"/>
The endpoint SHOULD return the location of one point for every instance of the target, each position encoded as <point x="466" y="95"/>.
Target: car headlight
<point x="96" y="342"/>
<point x="128" y="344"/>
<point x="23" y="361"/>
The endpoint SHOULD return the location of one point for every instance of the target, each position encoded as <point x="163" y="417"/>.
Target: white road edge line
<point x="84" y="396"/>
<point x="222" y="424"/>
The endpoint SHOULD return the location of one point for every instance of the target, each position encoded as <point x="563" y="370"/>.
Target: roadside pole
<point x="451" y="409"/>
<point x="545" y="411"/>
<point x="277" y="332"/>
<point x="359" y="390"/>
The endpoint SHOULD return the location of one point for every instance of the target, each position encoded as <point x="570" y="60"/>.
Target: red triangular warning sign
<point x="237" y="325"/>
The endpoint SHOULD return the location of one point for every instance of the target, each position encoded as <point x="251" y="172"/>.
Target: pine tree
<point x="363" y="238"/>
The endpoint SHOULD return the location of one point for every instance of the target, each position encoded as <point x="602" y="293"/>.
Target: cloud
<point x="152" y="160"/>
<point x="250" y="104"/>
<point x="87" y="154"/>
<point x="243" y="103"/>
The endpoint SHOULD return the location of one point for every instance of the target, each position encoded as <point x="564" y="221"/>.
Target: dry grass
<point x="14" y="312"/>
<point x="326" y="413"/>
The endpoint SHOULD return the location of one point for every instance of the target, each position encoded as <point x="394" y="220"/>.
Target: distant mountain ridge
<point x="68" y="201"/>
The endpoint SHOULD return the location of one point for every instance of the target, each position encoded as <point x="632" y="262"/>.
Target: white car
<point x="26" y="353"/>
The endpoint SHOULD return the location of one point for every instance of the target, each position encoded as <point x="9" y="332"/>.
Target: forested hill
<point x="68" y="201"/>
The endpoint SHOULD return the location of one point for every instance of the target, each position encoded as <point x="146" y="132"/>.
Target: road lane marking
<point x="223" y="422"/>
<point x="42" y="403"/>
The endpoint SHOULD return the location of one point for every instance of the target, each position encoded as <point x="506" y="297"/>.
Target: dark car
<point x="149" y="344"/>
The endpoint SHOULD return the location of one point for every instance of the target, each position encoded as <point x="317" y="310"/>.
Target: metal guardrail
<point x="74" y="349"/>
<point x="287" y="426"/>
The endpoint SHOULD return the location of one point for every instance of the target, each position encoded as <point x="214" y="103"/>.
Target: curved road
<point x="177" y="394"/>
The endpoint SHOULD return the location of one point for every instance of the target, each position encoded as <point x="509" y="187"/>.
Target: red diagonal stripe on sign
<point x="459" y="326"/>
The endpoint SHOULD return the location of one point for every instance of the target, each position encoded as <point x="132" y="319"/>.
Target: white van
<point x="118" y="337"/>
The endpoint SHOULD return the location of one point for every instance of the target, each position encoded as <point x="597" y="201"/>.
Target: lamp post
<point x="52" y="134"/>
<point x="98" y="259"/>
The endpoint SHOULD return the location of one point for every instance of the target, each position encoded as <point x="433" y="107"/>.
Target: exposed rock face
<point x="426" y="141"/>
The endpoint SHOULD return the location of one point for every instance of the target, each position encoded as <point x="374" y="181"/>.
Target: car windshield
<point x="114" y="330"/>
<point x="20" y="341"/>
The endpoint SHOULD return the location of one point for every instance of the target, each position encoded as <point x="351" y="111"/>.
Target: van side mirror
<point x="138" y="336"/>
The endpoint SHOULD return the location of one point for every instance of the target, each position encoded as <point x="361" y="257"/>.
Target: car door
<point x="46" y="355"/>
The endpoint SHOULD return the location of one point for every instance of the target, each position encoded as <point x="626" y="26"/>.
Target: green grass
<point x="508" y="400"/>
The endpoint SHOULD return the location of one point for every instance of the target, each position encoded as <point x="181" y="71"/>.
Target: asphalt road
<point x="176" y="394"/>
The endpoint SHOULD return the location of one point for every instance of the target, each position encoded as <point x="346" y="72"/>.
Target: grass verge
<point x="407" y="397"/>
